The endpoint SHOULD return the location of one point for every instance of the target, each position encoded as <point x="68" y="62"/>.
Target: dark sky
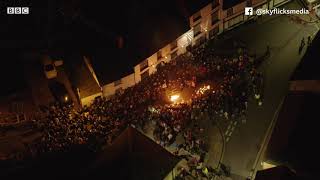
<point x="66" y="27"/>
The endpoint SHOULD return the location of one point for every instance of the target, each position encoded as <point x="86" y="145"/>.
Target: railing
<point x="12" y="119"/>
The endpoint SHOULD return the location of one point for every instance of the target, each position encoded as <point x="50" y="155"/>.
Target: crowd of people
<point x="233" y="79"/>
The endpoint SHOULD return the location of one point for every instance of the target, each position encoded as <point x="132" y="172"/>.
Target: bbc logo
<point x="17" y="10"/>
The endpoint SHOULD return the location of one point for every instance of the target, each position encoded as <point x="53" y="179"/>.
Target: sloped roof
<point x="134" y="156"/>
<point x="279" y="172"/>
<point x="81" y="76"/>
<point x="292" y="141"/>
<point x="308" y="68"/>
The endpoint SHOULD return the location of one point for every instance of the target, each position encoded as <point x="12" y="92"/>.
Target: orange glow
<point x="175" y="97"/>
<point x="203" y="89"/>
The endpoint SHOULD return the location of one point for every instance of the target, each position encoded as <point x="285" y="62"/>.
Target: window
<point x="49" y="67"/>
<point x="144" y="65"/>
<point x="196" y="16"/>
<point x="174" y="54"/>
<point x="215" y="3"/>
<point x="117" y="83"/>
<point x="214" y="32"/>
<point x="225" y="26"/>
<point x="159" y="55"/>
<point x="196" y="30"/>
<point x="144" y="75"/>
<point x="249" y="3"/>
<point x="214" y="18"/>
<point x="235" y="21"/>
<point x="229" y="12"/>
<point x="173" y="45"/>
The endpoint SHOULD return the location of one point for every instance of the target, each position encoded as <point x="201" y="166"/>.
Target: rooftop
<point x="134" y="156"/>
<point x="308" y="68"/>
<point x="291" y="142"/>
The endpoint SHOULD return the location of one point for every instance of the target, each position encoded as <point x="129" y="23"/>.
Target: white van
<point x="49" y="67"/>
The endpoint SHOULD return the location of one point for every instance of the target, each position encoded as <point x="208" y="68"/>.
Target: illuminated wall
<point x="88" y="100"/>
<point x="125" y="82"/>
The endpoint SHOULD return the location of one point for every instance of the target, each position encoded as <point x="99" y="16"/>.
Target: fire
<point x="175" y="97"/>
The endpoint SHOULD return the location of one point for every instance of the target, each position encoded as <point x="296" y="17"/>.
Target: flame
<point x="175" y="97"/>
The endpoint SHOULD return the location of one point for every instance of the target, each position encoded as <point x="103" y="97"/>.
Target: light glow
<point x="175" y="97"/>
<point x="203" y="89"/>
<point x="66" y="98"/>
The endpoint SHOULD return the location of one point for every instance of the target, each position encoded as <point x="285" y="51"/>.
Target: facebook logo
<point x="248" y="11"/>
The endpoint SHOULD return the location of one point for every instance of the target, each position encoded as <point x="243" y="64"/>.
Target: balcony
<point x="195" y="19"/>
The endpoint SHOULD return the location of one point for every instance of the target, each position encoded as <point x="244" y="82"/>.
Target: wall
<point x="89" y="66"/>
<point x="110" y="89"/>
<point x="88" y="100"/>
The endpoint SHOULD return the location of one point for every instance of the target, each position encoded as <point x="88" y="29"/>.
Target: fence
<point x="12" y="118"/>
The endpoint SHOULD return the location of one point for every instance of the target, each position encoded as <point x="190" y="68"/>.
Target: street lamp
<point x="66" y="98"/>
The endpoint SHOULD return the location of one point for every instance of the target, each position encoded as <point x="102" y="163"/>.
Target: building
<point x="132" y="155"/>
<point x="311" y="4"/>
<point x="84" y="80"/>
<point x="291" y="143"/>
<point x="280" y="172"/>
